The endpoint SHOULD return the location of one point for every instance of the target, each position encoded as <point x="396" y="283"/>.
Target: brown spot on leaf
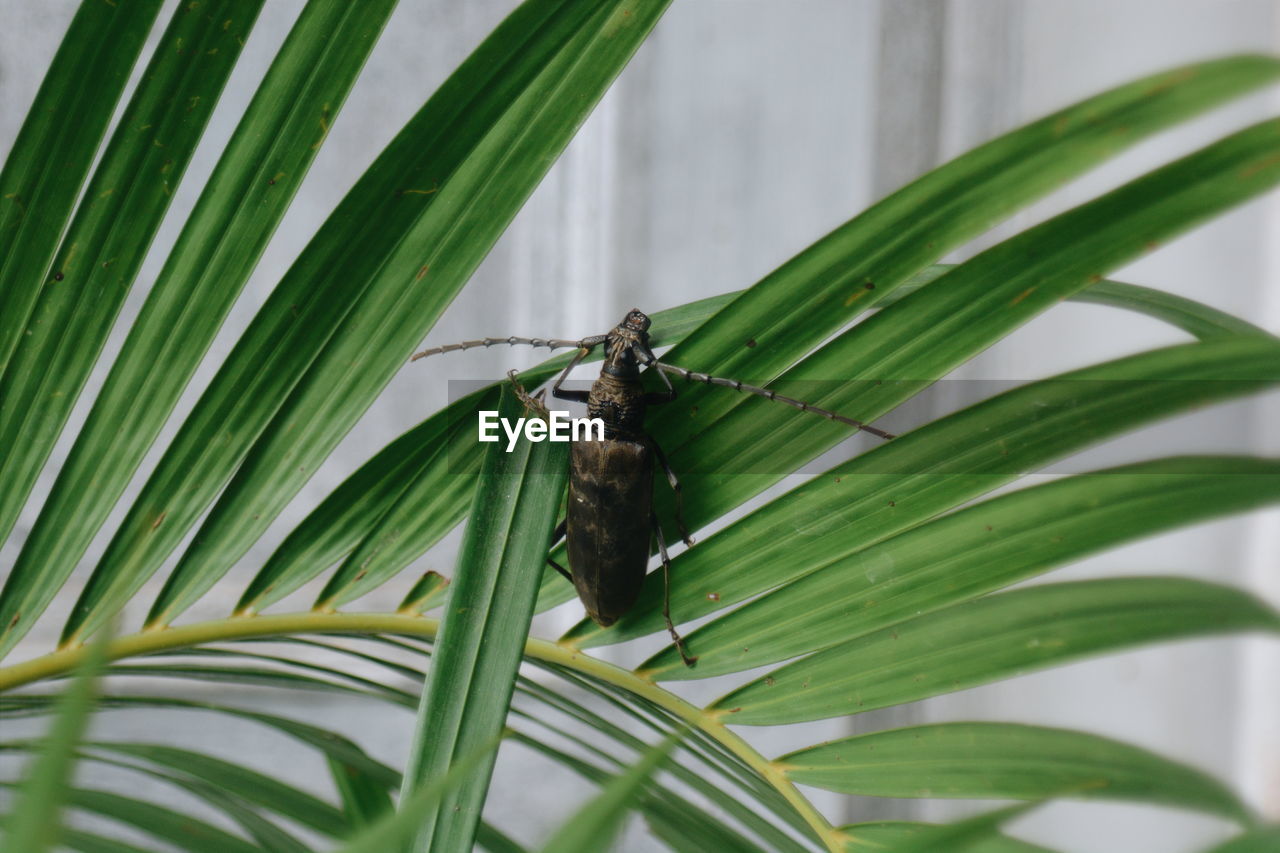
<point x="1254" y="168"/>
<point x="854" y="297"/>
<point x="1171" y="80"/>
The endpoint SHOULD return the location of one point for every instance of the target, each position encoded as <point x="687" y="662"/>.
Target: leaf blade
<point x="349" y="250"/>
<point x="597" y="823"/>
<point x="51" y="157"/>
<point x="970" y="552"/>
<point x="867" y="837"/>
<point x="979" y="833"/>
<point x="991" y="638"/>
<point x="916" y="225"/>
<point x="939" y="466"/>
<point x="1005" y="761"/>
<point x="472" y="207"/>
<point x="107" y="240"/>
<point x="909" y="345"/>
<point x="234" y="779"/>
<point x="36" y="826"/>
<point x="482" y="635"/>
<point x="237" y="212"/>
<point x="407" y="475"/>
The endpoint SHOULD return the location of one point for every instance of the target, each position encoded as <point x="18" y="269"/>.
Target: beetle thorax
<point x="618" y="400"/>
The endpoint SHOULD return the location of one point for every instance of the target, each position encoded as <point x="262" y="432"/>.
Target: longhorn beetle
<point x="610" y="513"/>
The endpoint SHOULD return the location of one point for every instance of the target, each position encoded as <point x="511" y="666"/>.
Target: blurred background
<point x="742" y="132"/>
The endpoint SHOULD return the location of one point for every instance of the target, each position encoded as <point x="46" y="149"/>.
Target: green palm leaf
<point x="881" y="836"/>
<point x="939" y="466"/>
<point x="972" y="552"/>
<point x="108" y="238"/>
<point x="242" y="203"/>
<point x="877" y="582"/>
<point x="51" y="158"/>
<point x="370" y="249"/>
<point x="596" y="825"/>
<point x="996" y="760"/>
<point x="235" y="779"/>
<point x="824" y="287"/>
<point x="923" y="337"/>
<point x="464" y="703"/>
<point x="160" y="822"/>
<point x="991" y="638"/>
<point x="979" y="833"/>
<point x="35" y="827"/>
<point x="467" y="209"/>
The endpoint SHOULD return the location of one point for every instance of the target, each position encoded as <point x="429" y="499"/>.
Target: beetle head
<point x="636" y="320"/>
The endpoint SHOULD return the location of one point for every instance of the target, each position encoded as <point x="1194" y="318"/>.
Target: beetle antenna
<point x="552" y="343"/>
<point x="768" y="394"/>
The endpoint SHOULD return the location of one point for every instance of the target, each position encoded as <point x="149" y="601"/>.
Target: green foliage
<point x="597" y="823"/>
<point x="996" y="760"/>
<point x="908" y="602"/>
<point x="977" y="834"/>
<point x="36" y="822"/>
<point x="464" y="702"/>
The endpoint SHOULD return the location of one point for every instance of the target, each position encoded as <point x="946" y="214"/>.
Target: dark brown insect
<point x="610" y="518"/>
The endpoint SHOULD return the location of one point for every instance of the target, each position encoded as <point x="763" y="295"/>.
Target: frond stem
<point x="311" y="622"/>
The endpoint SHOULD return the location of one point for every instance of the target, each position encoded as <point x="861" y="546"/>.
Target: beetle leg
<point x="675" y="487"/>
<point x="556" y="536"/>
<point x="531" y="403"/>
<point x="646" y="356"/>
<point x="521" y="395"/>
<point x="563" y="394"/>
<point x="561" y="569"/>
<point x="666" y="593"/>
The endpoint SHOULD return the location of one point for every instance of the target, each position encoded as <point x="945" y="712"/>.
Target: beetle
<point x="610" y="518"/>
